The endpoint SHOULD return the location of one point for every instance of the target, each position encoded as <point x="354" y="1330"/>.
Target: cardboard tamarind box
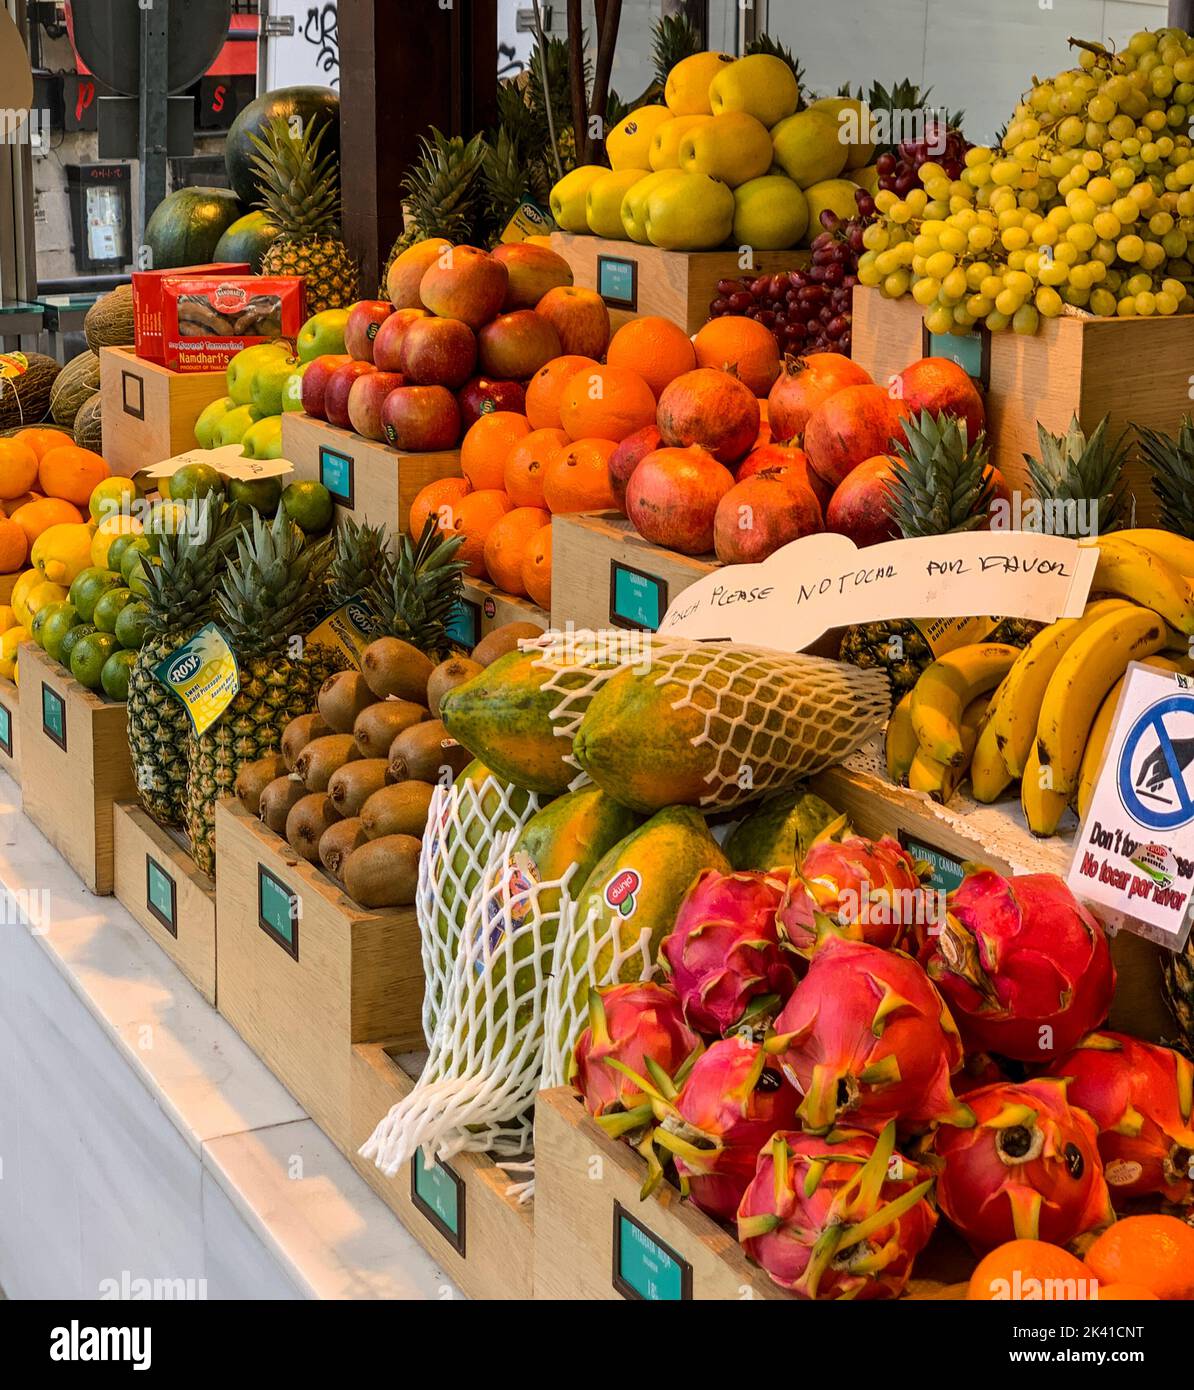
<point x="206" y="321"/>
<point x="147" y="303"/>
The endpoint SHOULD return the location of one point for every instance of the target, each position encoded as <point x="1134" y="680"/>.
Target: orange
<point x="507" y="543"/>
<point x="653" y="347"/>
<point x="71" y="473"/>
<point x="14" y="546"/>
<point x="547" y="385"/>
<point x="606" y="403"/>
<point x="475" y="516"/>
<point x="487" y="444"/>
<point x="1152" y="1252"/>
<point x="577" y="478"/>
<point x="439" y="497"/>
<point x="18" y="468"/>
<point x="526" y="463"/>
<point x="1127" y="1293"/>
<point x="536" y="568"/>
<point x="8" y="505"/>
<point x="1025" y="1269"/>
<point x="35" y="517"/>
<point x="742" y="346"/>
<point x="41" y="441"/>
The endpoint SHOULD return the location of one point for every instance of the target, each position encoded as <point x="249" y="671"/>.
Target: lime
<point x="167" y="518"/>
<point x="89" y="584"/>
<point x="108" y="606"/>
<point x="132" y="553"/>
<point x="114" y="677"/>
<point x="88" y="656"/>
<point x="55" y="628"/>
<point x="116" y="552"/>
<point x="308" y="505"/>
<point x="136" y="576"/>
<point x="43" y="615"/>
<point x="131" y="624"/>
<point x="67" y="645"/>
<point x="262" y="494"/>
<point x="194" y="480"/>
<point x="111" y="497"/>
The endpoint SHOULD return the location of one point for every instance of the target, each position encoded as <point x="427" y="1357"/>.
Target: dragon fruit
<point x="634" y="1030"/>
<point x="1140" y="1096"/>
<point x="1023" y="965"/>
<point x="866" y="1039"/>
<point x="732" y="1101"/>
<point x="865" y="890"/>
<point x="838" y="1217"/>
<point x="723" y="954"/>
<point x="1027" y="1169"/>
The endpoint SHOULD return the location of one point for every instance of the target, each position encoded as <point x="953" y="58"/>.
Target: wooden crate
<point x="157" y="882"/>
<point x="10" y="730"/>
<point x="369" y="481"/>
<point x="678" y="285"/>
<point x="1137" y="371"/>
<point x="75" y="765"/>
<point x="302" y="972"/>
<point x="595" y="1239"/>
<point x="483" y="608"/>
<point x="465" y="1215"/>
<point x="149" y="412"/>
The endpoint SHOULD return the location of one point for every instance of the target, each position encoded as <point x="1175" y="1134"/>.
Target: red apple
<point x="366" y="397"/>
<point x="316" y="378"/>
<point x="483" y="395"/>
<point x="387" y="346"/>
<point x="438" y="352"/>
<point x="364" y="319"/>
<point x="465" y="283"/>
<point x="533" y="270"/>
<point x="516" y="345"/>
<point x="335" y="396"/>
<point x="421" y="418"/>
<point x="627" y="457"/>
<point x="580" y="318"/>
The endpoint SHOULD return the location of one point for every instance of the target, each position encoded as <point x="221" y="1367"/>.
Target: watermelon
<point x="247" y="239"/>
<point x="187" y="224"/>
<point x="319" y="104"/>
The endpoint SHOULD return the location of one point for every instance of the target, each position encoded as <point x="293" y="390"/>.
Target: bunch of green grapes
<point x="1088" y="201"/>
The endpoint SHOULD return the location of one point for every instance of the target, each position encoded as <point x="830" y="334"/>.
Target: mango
<point x="567" y="197"/>
<point x="687" y="88"/>
<point x="628" y="144"/>
<point x="760" y="84"/>
<point x="770" y="213"/>
<point x="733" y="148"/>
<point x="690" y="212"/>
<point x="809" y="148"/>
<point x="603" y="204"/>
<point x="777" y="834"/>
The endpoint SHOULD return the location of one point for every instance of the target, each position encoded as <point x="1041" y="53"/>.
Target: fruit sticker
<point x="348" y="628"/>
<point x="620" y="892"/>
<point x="513" y="905"/>
<point x="13" y="364"/>
<point x="203" y="674"/>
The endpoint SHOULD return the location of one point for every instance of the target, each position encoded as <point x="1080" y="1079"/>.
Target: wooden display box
<point x="157" y="882"/>
<point x="149" y="412"/>
<point x="369" y="481"/>
<point x="595" y="1239"/>
<point x="302" y="972"/>
<point x="75" y="765"/>
<point x="10" y="730"/>
<point x="463" y="1212"/>
<point x="483" y="608"/>
<point x="1136" y="371"/>
<point x="637" y="280"/>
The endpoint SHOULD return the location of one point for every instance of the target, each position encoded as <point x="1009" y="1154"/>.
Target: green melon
<point x="187" y="224"/>
<point x="109" y="321"/>
<point x="247" y="239"/>
<point x="319" y="104"/>
<point x="75" y="384"/>
<point x="89" y="433"/>
<point x="25" y="397"/>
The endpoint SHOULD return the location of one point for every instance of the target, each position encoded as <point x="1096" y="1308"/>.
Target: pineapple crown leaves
<point x="443" y="189"/>
<point x="300" y="185"/>
<point x="180" y="588"/>
<point x="359" y="551"/>
<point x="1171" y="467"/>
<point x="417" y="589"/>
<point x="673" y="38"/>
<point x="1072" y="468"/>
<point x="942" y="482"/>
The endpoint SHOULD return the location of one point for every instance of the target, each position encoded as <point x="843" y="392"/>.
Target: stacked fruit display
<point x="45" y="480"/>
<point x="259" y="390"/>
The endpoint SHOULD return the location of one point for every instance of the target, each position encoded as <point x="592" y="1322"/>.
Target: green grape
<point x="1048" y="301"/>
<point x="1146" y="303"/>
<point x="1026" y="320"/>
<point x="1129" y="248"/>
<point x="939" y="320"/>
<point x="1126" y="308"/>
<point x="1102" y="302"/>
<point x="1166" y="303"/>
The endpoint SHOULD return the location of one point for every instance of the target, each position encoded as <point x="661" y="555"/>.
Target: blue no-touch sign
<point x="1155" y="777"/>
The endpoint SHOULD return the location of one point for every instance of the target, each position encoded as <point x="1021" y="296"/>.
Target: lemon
<point x="687" y="88"/>
<point x="761" y="85"/>
<point x="112" y="496"/>
<point x="37" y="598"/>
<point x="107" y="531"/>
<point x="10" y="642"/>
<point x="61" y="551"/>
<point x="7" y="618"/>
<point x="24" y="584"/>
<point x="629" y="143"/>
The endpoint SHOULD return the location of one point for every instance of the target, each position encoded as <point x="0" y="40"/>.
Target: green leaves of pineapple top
<point x="417" y="589"/>
<point x="359" y="553"/>
<point x="443" y="188"/>
<point x="1072" y="469"/>
<point x="300" y="186"/>
<point x="941" y="481"/>
<point x="180" y="588"/>
<point x="673" y="38"/>
<point x="1171" y="466"/>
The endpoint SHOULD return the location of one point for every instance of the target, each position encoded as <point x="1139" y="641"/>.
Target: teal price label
<point x="947" y="870"/>
<point x="53" y="716"/>
<point x="336" y="473"/>
<point x="5" y="731"/>
<point x="636" y="599"/>
<point x="645" y="1268"/>
<point x="617" y="281"/>
<point x="439" y="1194"/>
<point x="278" y="910"/>
<point x="161" y="895"/>
<point x="464" y="626"/>
<point x="971" y="351"/>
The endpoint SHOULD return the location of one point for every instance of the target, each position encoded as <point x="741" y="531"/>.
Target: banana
<point x="1081" y="681"/>
<point x="900" y="742"/>
<point x="1128" y="569"/>
<point x="1018" y="703"/>
<point x="988" y="772"/>
<point x="1043" y="806"/>
<point x="1177" y="551"/>
<point x="940" y="780"/>
<point x="947" y="687"/>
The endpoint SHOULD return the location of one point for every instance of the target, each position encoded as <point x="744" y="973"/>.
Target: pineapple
<point x="1179" y="990"/>
<point x="1079" y="482"/>
<point x="178" y="595"/>
<point x="417" y="589"/>
<point x="301" y="193"/>
<point x="268" y="596"/>
<point x="359" y="549"/>
<point x="674" y="38"/>
<point x="1171" y="464"/>
<point x="441" y="193"/>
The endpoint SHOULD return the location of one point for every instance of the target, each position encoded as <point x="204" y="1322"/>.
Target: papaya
<point x="503" y="717"/>
<point x="776" y="835"/>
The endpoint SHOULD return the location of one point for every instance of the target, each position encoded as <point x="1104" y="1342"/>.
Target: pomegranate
<point x="938" y="385"/>
<point x="862" y="505"/>
<point x="627" y="457"/>
<point x="763" y="512"/>
<point x="710" y="408"/>
<point x="672" y="497"/>
<point x="804" y="384"/>
<point x="850" y="427"/>
<point x="777" y="457"/>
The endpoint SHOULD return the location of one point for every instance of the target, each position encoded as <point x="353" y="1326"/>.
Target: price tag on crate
<point x="636" y="599"/>
<point x="278" y="910"/>
<point x="161" y="895"/>
<point x="645" y="1268"/>
<point x="53" y="715"/>
<point x="337" y="472"/>
<point x="617" y="282"/>
<point x="5" y="730"/>
<point x="464" y="626"/>
<point x="439" y="1194"/>
<point x="947" y="868"/>
<point x="971" y="351"/>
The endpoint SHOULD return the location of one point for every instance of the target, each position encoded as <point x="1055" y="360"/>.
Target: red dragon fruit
<point x="866" y="1039"/>
<point x="1140" y="1096"/>
<point x="733" y="1100"/>
<point x="1023" y="965"/>
<point x="723" y="954"/>
<point x="866" y="890"/>
<point x="634" y="1031"/>
<point x="1027" y="1169"/>
<point x="838" y="1217"/>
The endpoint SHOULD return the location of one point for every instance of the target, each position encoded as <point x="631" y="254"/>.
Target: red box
<point x="206" y="320"/>
<point x="147" y="303"/>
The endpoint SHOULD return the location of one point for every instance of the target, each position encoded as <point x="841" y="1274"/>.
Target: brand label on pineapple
<point x="53" y="716"/>
<point x="161" y="895"/>
<point x="5" y="731"/>
<point x="645" y="1268"/>
<point x="439" y="1194"/>
<point x="617" y="281"/>
<point x="203" y="674"/>
<point x="945" y="634"/>
<point x="347" y="628"/>
<point x="529" y="219"/>
<point x="636" y="599"/>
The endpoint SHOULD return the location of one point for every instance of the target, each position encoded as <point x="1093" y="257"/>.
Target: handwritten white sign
<point x="826" y="581"/>
<point x="228" y="460"/>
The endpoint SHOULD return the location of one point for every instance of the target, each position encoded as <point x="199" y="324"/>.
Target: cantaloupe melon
<point x="109" y="321"/>
<point x="76" y="383"/>
<point x="88" y="430"/>
<point x="26" y="379"/>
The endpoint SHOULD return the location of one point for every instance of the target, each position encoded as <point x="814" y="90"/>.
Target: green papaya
<point x="778" y="832"/>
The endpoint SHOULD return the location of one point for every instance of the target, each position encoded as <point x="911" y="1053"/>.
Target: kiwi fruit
<point x="502" y="640"/>
<point x="383" y="873"/>
<point x="447" y="676"/>
<point x="277" y="799"/>
<point x="299" y="732"/>
<point x="342" y="697"/>
<point x="254" y="777"/>
<point x="400" y="810"/>
<point x="378" y="726"/>
<point x="422" y="750"/>
<point x="337" y="842"/>
<point x="322" y="757"/>
<point x="309" y="817"/>
<point x="350" y="786"/>
<point x="394" y="667"/>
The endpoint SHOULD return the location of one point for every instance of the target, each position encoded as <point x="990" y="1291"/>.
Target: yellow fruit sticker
<point x="945" y="634"/>
<point x="203" y="674"/>
<point x="13" y="364"/>
<point x="348" y="628"/>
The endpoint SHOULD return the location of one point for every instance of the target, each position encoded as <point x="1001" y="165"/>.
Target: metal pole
<point x="18" y="253"/>
<point x="155" y="30"/>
